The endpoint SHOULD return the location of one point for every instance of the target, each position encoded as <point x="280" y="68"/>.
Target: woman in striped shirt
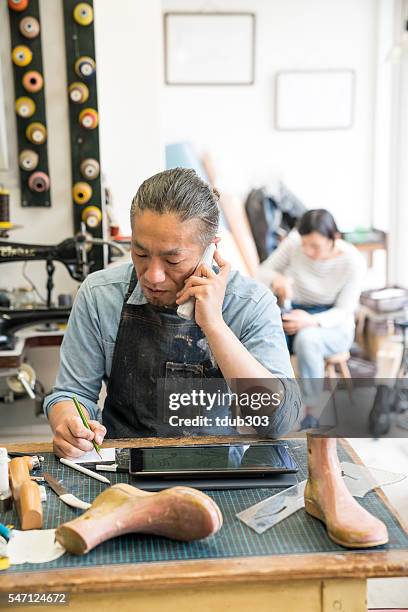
<point x="320" y="276"/>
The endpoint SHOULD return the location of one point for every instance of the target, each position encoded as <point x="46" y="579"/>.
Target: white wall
<point x="130" y="68"/>
<point x="330" y="169"/>
<point x="399" y="160"/>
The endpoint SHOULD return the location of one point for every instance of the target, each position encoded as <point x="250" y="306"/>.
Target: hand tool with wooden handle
<point x="26" y="493"/>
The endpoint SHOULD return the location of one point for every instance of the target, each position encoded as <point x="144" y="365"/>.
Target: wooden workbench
<point x="314" y="582"/>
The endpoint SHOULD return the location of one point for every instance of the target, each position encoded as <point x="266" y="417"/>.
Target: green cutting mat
<point x="298" y="534"/>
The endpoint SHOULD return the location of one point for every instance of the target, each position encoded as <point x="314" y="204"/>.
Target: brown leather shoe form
<point x="347" y="523"/>
<point x="179" y="513"/>
<point x="328" y="499"/>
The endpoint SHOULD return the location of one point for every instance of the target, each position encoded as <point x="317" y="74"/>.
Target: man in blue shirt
<point x="124" y="328"/>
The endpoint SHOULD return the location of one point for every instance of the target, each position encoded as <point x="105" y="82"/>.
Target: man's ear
<point x="217" y="239"/>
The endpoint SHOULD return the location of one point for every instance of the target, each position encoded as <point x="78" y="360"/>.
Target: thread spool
<point x="36" y="133"/>
<point x="18" y="5"/>
<point x="39" y="182"/>
<point x="33" y="81"/>
<point x="83" y="14"/>
<point x="28" y="159"/>
<point x="91" y="216"/>
<point x="78" y="92"/>
<point x="4" y="209"/>
<point x="88" y="118"/>
<point x="89" y="168"/>
<point x="82" y="193"/>
<point x="85" y="66"/>
<point x="29" y="27"/>
<point x="25" y="107"/>
<point x="21" y="55"/>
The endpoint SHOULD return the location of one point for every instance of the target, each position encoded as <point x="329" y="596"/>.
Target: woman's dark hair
<point x="318" y="220"/>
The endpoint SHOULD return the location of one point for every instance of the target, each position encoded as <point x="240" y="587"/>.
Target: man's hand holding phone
<point x="208" y="290"/>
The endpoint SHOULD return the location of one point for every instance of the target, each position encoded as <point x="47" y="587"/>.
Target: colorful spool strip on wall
<point x="87" y="198"/>
<point x="26" y="55"/>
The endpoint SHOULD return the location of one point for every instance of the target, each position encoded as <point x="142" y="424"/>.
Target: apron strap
<point x="132" y="285"/>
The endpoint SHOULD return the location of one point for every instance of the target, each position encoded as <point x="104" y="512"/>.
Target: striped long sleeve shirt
<point x="336" y="281"/>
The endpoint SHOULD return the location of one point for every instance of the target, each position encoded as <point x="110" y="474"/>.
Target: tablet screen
<point x="211" y="459"/>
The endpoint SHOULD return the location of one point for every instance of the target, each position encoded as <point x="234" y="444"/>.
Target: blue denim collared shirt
<point x="249" y="309"/>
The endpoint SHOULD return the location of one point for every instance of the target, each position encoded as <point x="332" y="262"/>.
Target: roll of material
<point x="28" y="159"/>
<point x="25" y="107"/>
<point x="85" y="66"/>
<point x="88" y="118"/>
<point x="18" y="5"/>
<point x="39" y="182"/>
<point x="92" y="216"/>
<point x="81" y="192"/>
<point x="29" y="27"/>
<point x="33" y="81"/>
<point x="21" y="55"/>
<point x="83" y="14"/>
<point x="4" y="211"/>
<point x="78" y="92"/>
<point x="90" y="168"/>
<point x="36" y="133"/>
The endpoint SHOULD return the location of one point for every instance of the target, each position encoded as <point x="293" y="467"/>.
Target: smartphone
<point x="186" y="310"/>
<point x="212" y="460"/>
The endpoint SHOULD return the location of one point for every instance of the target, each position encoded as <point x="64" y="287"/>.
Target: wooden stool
<point x="340" y="360"/>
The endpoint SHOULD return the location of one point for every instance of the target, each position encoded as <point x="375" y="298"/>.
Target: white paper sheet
<point x="35" y="546"/>
<point x="108" y="454"/>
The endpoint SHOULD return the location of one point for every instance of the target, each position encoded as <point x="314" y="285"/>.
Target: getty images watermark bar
<point x="362" y="407"/>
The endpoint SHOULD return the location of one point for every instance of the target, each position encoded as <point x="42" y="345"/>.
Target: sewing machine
<point x="16" y="324"/>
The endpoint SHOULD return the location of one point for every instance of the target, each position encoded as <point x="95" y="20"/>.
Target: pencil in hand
<point x="86" y="424"/>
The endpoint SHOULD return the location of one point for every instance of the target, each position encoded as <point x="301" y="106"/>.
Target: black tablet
<point x="202" y="461"/>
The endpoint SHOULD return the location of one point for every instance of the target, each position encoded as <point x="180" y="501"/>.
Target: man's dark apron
<point x="154" y="344"/>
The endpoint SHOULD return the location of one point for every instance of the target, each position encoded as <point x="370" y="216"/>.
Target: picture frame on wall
<point x="209" y="48"/>
<point x="315" y="99"/>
